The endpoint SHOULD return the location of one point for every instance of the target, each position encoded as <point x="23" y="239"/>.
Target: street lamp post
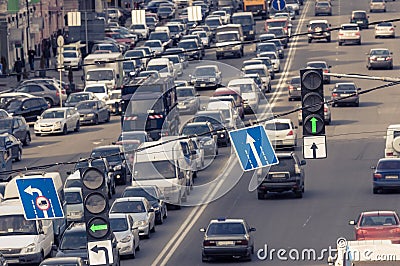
<point x="28" y="26"/>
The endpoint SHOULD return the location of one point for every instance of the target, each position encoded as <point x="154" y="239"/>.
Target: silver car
<point x="188" y="99"/>
<point x="385" y="29"/>
<point x="379" y="58"/>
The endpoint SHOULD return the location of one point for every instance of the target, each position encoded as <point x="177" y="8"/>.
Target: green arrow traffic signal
<point x="313" y="125"/>
<point x="98" y="227"/>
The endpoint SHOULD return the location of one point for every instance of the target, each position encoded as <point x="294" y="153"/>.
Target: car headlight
<point x="117" y="167"/>
<point x="212" y="79"/>
<point x="58" y="124"/>
<point x="236" y="47"/>
<point x="126" y="239"/>
<point x="156" y="209"/>
<point x="90" y="115"/>
<point x="141" y="223"/>
<point x="30" y="248"/>
<point x="208" y="142"/>
<point x="251" y="32"/>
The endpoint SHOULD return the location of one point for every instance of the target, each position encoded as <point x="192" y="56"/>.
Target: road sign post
<point x="253" y="147"/>
<point x="100" y="253"/>
<point x="60" y="61"/>
<point x="314" y="147"/>
<point x="39" y="198"/>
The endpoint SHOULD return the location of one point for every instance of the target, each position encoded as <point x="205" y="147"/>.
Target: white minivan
<point x="392" y="147"/>
<point x="163" y="66"/>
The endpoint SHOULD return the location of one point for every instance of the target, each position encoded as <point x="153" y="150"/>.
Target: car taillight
<point x="358" y="33"/>
<point x="388" y="58"/>
<point x="326" y="71"/>
<point x="396" y="230"/>
<point x="209" y="243"/>
<point x="378" y="176"/>
<point x="290" y="133"/>
<point x="335" y="95"/>
<point x="362" y="232"/>
<point x="340" y="34"/>
<point x="325" y="109"/>
<point x="241" y="242"/>
<point x="291" y="87"/>
<point x="63" y="91"/>
<point x="391" y="29"/>
<point x="389" y="154"/>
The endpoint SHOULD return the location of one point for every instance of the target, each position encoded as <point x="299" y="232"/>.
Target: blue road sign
<point x="253" y="147"/>
<point x="278" y="5"/>
<point x="39" y="198"/>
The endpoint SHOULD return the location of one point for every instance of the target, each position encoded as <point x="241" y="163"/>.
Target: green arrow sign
<point x="98" y="227"/>
<point x="313" y="125"/>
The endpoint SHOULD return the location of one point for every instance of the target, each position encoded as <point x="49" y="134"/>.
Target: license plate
<point x="13" y="261"/>
<point x="202" y="85"/>
<point x="225" y="243"/>
<point x="359" y="22"/>
<point x="381" y="59"/>
<point x="278" y="142"/>
<point x="278" y="176"/>
<point x="344" y="95"/>
<point x="391" y="177"/>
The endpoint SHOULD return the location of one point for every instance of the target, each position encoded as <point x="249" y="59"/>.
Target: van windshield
<point x="73" y="197"/>
<point x="154" y="170"/>
<point x="16" y="225"/>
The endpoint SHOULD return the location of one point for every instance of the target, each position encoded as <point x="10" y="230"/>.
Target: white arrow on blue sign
<point x="39" y="198"/>
<point x="278" y="5"/>
<point x="253" y="148"/>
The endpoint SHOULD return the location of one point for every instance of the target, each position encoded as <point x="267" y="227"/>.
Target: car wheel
<point x="65" y="130"/>
<point x="19" y="155"/>
<point x="340" y="43"/>
<point x="27" y="139"/>
<point x="153" y="230"/>
<point x="260" y="196"/>
<point x="375" y="190"/>
<point x="309" y="40"/>
<point x="204" y="258"/>
<point x="49" y="101"/>
<point x="133" y="255"/>
<point x="359" y="42"/>
<point x="357" y="104"/>
<point x="77" y="127"/>
<point x="147" y="236"/>
<point x="38" y="134"/>
<point x="298" y="194"/>
<point x="391" y="67"/>
<point x="96" y="120"/>
<point x="165" y="216"/>
<point x="369" y="67"/>
<point x="109" y="193"/>
<point x="161" y="220"/>
<point x="108" y="117"/>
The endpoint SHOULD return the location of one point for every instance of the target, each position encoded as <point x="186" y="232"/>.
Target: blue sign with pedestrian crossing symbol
<point x="39" y="198"/>
<point x="253" y="147"/>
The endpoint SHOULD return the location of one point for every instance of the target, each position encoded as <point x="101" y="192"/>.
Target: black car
<point x="206" y="77"/>
<point x="287" y="175"/>
<point x="115" y="157"/>
<point x="93" y="112"/>
<point x="192" y="48"/>
<point x="29" y="108"/>
<point x="227" y="238"/>
<point x="360" y="18"/>
<point x="11" y="144"/>
<point x="155" y="197"/>
<point x="217" y="119"/>
<point x="74" y="244"/>
<point x="77" y="97"/>
<point x="16" y="126"/>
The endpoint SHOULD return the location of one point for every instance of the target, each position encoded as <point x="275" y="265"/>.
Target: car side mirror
<point x="134" y="227"/>
<point x="352" y="222"/>
<point x="373" y="167"/>
<point x="202" y="230"/>
<point x="54" y="247"/>
<point x="303" y="162"/>
<point x="252" y="229"/>
<point x="151" y="210"/>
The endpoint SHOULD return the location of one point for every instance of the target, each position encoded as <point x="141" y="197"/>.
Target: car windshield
<point x="73" y="197"/>
<point x="158" y="68"/>
<point x="140" y="106"/>
<point x="227" y="37"/>
<point x="134" y="53"/>
<point x="388" y="165"/>
<point x="359" y="15"/>
<point x="213" y="22"/>
<point x="346" y="87"/>
<point x="6" y="123"/>
<point x="164" y="9"/>
<point x="153" y="44"/>
<point x="96" y="75"/>
<point x="244" y="87"/>
<point x="13" y="104"/>
<point x="174" y="59"/>
<point x="187" y="45"/>
<point x="196" y="130"/>
<point x="162" y="36"/>
<point x="380" y="52"/>
<point x="185" y="92"/>
<point x="128" y="207"/>
<point x="385" y="24"/>
<point x="119" y="224"/>
<point x="295" y="81"/>
<point x="322" y="4"/>
<point x="204" y="71"/>
<point x="154" y="170"/>
<point x="226" y="229"/>
<point x="86" y="105"/>
<point x="16" y="225"/>
<point x="70" y="55"/>
<point x="113" y="155"/>
<point x="53" y="114"/>
<point x="321" y="26"/>
<point x="259" y="71"/>
<point x="96" y="89"/>
<point x="128" y="65"/>
<point x="278" y="32"/>
<point x="148" y="193"/>
<point x="74" y="98"/>
<point x="73" y="183"/>
<point x="276" y="24"/>
<point x="74" y="240"/>
<point x="286" y="164"/>
<point x="317" y="65"/>
<point x="378" y="220"/>
<point x="115" y="96"/>
<point x="138" y="27"/>
<point x="243" y="20"/>
<point x="126" y="136"/>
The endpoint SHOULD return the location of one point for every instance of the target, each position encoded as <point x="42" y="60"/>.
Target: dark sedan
<point x="294" y="88"/>
<point x="16" y="126"/>
<point x="93" y="112"/>
<point x="155" y="197"/>
<point x="217" y="120"/>
<point x="386" y="175"/>
<point x="12" y="144"/>
<point x="345" y="94"/>
<point x="379" y="58"/>
<point x="77" y="97"/>
<point x="227" y="238"/>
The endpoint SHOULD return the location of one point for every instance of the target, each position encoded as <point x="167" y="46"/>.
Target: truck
<point x="228" y="3"/>
<point x="246" y="20"/>
<point x="257" y="7"/>
<point x="150" y="105"/>
<point x="366" y="253"/>
<point x="104" y="68"/>
<point x="228" y="39"/>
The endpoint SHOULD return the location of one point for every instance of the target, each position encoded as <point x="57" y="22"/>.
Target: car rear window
<point x="349" y="28"/>
<point x="387" y="165"/>
<point x="369" y="220"/>
<point x="359" y="15"/>
<point x="277" y="126"/>
<point x="286" y="164"/>
<point x="318" y="25"/>
<point x="226" y="229"/>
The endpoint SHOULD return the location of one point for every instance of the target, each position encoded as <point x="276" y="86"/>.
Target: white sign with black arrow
<point x="314" y="147"/>
<point x="100" y="253"/>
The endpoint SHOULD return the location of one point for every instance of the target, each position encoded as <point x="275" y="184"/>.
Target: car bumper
<point x="125" y="248"/>
<point x="281" y="186"/>
<point x="347" y="100"/>
<point x="350" y="39"/>
<point x="86" y="120"/>
<point x="295" y="94"/>
<point x="318" y="36"/>
<point x="144" y="230"/>
<point x="226" y="251"/>
<point x="23" y="258"/>
<point x="74" y="217"/>
<point x="172" y="196"/>
<point x="284" y="143"/>
<point x="379" y="64"/>
<point x="47" y="130"/>
<point x="386" y="184"/>
<point x="385" y="33"/>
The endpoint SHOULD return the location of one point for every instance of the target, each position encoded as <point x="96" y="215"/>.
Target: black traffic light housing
<point x="312" y="101"/>
<point x="95" y="204"/>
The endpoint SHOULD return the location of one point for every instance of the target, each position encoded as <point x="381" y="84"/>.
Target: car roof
<point x="117" y="215"/>
<point x="60" y="260"/>
<point x="318" y="21"/>
<point x="130" y="199"/>
<point x="349" y="24"/>
<point x="107" y="147"/>
<point x="344" y="83"/>
<point x="255" y="66"/>
<point x="205" y="112"/>
<point x="58" y="109"/>
<point x="316" y="62"/>
<point x="378" y="49"/>
<point x="279" y="120"/>
<point x="388" y="159"/>
<point x="370" y="213"/>
<point x="227" y="220"/>
<point x="72" y="189"/>
<point x="197" y="124"/>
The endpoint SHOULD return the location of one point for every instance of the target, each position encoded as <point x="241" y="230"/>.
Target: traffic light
<point x="312" y="101"/>
<point x="95" y="203"/>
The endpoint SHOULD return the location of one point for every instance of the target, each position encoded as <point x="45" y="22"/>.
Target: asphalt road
<point x="337" y="188"/>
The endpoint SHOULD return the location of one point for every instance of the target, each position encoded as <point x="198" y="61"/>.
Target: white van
<point x="23" y="241"/>
<point x="11" y="193"/>
<point x="163" y="65"/>
<point x="392" y="147"/>
<point x="159" y="164"/>
<point x="226" y="108"/>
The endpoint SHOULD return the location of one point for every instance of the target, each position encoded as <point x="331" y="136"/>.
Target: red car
<point x="382" y="225"/>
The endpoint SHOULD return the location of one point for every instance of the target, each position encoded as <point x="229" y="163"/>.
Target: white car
<point x="155" y="46"/>
<point x="177" y="63"/>
<point x="199" y="156"/>
<point x="263" y="73"/>
<point x="377" y="5"/>
<point x="57" y="120"/>
<point x="140" y="210"/>
<point x="98" y="89"/>
<point x="227" y="110"/>
<point x="282" y="133"/>
<point x="293" y="5"/>
<point x="225" y="17"/>
<point x="74" y="202"/>
<point x="274" y="59"/>
<point x="249" y="92"/>
<point x="126" y="233"/>
<point x="72" y="59"/>
<point x="385" y="29"/>
<point x="349" y="33"/>
<point x="114" y="101"/>
<point x="141" y="30"/>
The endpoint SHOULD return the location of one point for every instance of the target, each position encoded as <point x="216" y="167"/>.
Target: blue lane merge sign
<point x="253" y="147"/>
<point x="278" y="5"/>
<point x="39" y="198"/>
